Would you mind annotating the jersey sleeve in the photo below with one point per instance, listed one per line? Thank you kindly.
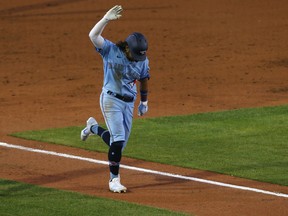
(105, 49)
(145, 72)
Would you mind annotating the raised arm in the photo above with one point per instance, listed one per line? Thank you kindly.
(95, 33)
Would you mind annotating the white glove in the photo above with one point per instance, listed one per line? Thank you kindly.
(114, 13)
(142, 108)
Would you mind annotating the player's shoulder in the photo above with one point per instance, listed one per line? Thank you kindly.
(143, 63)
(107, 47)
(108, 43)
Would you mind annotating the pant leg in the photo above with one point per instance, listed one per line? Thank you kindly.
(112, 110)
(127, 121)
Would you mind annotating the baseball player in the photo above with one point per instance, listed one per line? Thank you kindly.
(124, 63)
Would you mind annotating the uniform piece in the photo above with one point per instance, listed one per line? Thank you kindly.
(124, 64)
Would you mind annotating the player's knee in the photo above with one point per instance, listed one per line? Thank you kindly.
(118, 144)
(115, 151)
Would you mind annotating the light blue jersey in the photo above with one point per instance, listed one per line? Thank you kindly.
(120, 74)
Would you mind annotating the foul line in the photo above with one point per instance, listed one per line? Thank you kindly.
(145, 170)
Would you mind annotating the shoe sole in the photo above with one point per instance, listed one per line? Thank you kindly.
(83, 137)
(119, 191)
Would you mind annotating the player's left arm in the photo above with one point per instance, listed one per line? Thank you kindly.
(143, 106)
(144, 89)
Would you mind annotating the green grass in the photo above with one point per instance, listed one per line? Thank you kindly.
(248, 143)
(25, 199)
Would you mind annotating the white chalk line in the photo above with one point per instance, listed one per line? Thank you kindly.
(145, 170)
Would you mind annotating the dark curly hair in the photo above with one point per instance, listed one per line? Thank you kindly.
(122, 45)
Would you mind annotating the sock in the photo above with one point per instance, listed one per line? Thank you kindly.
(94, 129)
(114, 157)
(112, 176)
(103, 133)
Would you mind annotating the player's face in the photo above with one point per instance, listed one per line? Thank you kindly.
(128, 54)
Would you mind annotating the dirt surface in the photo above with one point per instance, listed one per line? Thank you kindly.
(204, 56)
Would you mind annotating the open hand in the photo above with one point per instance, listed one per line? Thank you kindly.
(114, 13)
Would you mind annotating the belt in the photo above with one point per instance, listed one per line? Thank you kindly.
(123, 98)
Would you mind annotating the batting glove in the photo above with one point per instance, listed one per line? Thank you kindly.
(114, 13)
(142, 108)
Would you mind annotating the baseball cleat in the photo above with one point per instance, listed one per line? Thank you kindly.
(116, 187)
(86, 132)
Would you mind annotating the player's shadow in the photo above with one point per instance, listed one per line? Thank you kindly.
(16, 189)
(44, 179)
(160, 181)
(11, 188)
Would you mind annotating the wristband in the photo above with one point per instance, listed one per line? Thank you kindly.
(143, 94)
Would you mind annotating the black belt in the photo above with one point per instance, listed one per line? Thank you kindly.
(123, 98)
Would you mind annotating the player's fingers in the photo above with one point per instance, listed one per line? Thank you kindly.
(119, 9)
(115, 7)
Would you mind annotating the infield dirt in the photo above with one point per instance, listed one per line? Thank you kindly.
(204, 56)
